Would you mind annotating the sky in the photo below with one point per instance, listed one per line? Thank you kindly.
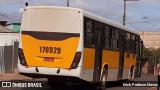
(142, 15)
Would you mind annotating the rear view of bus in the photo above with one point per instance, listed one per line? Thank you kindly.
(50, 41)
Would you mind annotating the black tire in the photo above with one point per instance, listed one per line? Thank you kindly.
(130, 74)
(103, 81)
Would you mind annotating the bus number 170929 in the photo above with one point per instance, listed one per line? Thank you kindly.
(45, 49)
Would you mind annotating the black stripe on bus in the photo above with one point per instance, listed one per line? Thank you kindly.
(50, 35)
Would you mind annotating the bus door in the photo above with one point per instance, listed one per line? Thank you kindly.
(98, 52)
(121, 56)
(139, 50)
(140, 59)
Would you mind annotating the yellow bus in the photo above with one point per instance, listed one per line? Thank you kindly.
(63, 43)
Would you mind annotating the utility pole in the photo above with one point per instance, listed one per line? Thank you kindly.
(67, 3)
(124, 13)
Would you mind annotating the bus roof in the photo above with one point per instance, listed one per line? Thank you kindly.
(109, 22)
(92, 16)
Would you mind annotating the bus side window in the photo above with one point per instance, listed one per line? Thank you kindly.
(133, 43)
(115, 38)
(88, 33)
(106, 36)
(110, 37)
(127, 42)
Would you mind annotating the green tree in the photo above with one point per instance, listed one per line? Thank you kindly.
(147, 53)
(151, 53)
(158, 55)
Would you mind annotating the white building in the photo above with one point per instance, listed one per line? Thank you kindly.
(8, 37)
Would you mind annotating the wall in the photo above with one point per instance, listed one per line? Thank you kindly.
(8, 52)
(9, 58)
(150, 39)
(8, 38)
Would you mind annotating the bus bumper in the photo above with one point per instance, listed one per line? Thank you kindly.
(50, 71)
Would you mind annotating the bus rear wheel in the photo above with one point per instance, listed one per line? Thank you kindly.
(103, 82)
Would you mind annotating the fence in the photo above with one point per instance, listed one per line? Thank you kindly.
(9, 58)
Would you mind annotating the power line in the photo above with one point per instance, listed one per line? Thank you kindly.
(144, 21)
(148, 11)
(140, 12)
(140, 9)
(15, 1)
(3, 15)
(154, 21)
(144, 14)
(38, 2)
